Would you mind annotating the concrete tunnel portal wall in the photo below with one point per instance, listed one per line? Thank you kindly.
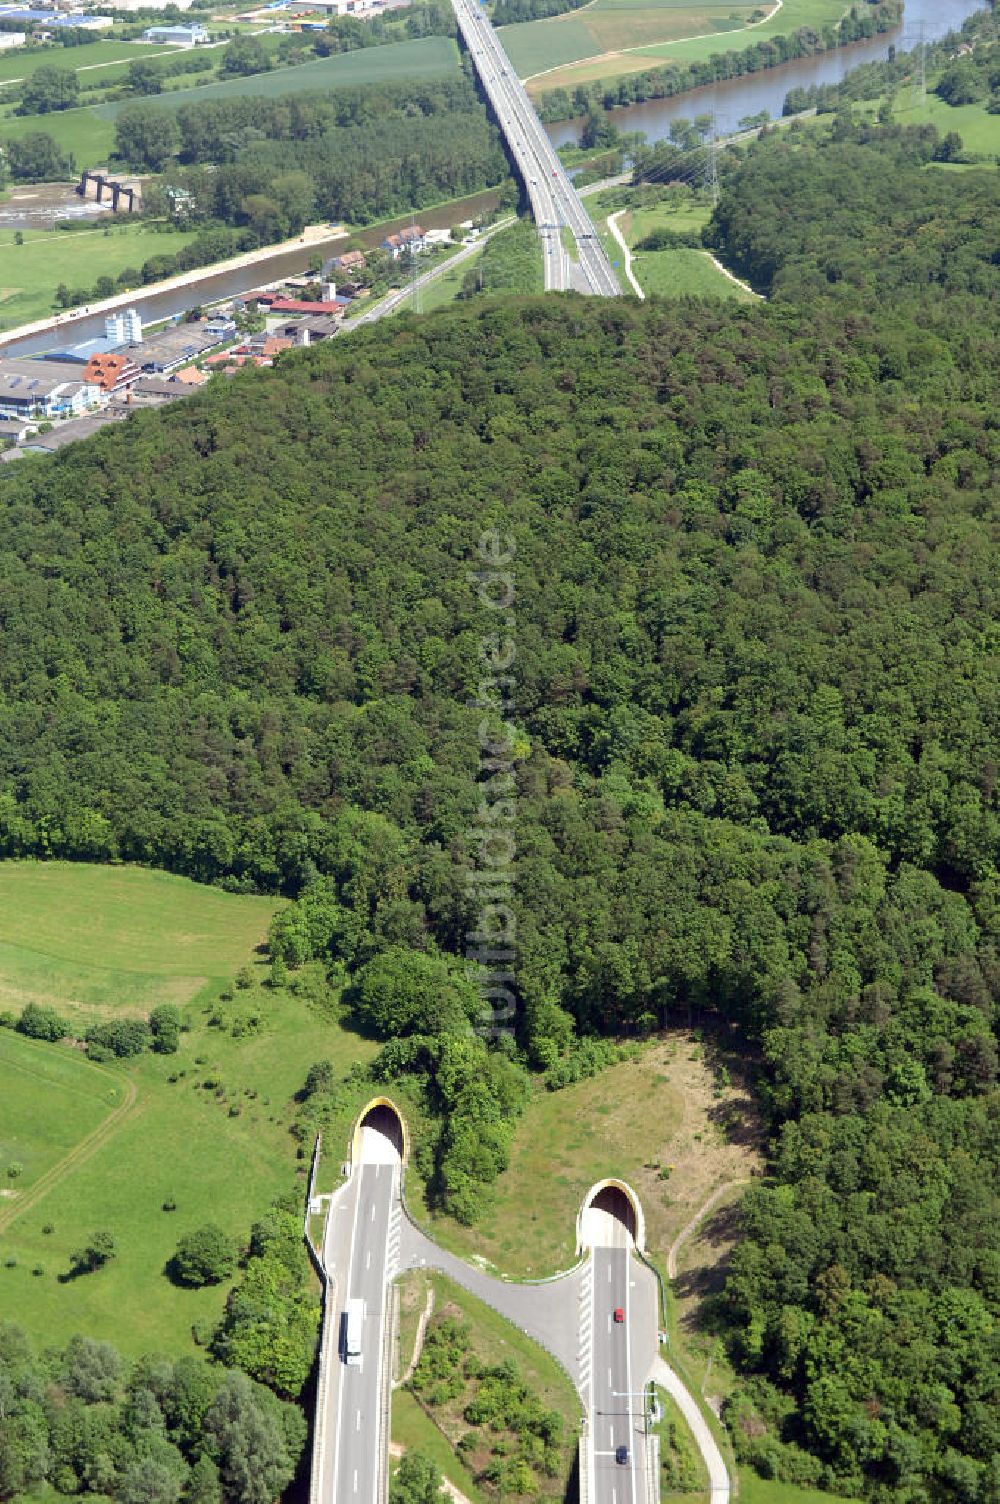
(382, 1114)
(616, 1199)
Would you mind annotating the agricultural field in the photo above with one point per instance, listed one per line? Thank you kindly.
(191, 1137)
(625, 37)
(396, 62)
(663, 1121)
(30, 273)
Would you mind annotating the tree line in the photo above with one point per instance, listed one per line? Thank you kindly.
(862, 21)
(83, 1419)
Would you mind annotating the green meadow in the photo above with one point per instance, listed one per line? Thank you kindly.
(78, 1096)
(21, 62)
(155, 1146)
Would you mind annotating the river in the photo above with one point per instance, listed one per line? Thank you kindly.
(214, 287)
(734, 99)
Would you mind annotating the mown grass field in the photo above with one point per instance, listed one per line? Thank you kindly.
(754, 1490)
(30, 273)
(80, 131)
(445, 289)
(627, 38)
(118, 938)
(21, 62)
(78, 1096)
(214, 1140)
(979, 130)
(684, 273)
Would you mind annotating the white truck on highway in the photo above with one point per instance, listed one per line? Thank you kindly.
(354, 1316)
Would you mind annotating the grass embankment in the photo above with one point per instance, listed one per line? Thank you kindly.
(213, 1140)
(754, 1490)
(30, 273)
(683, 1474)
(435, 1424)
(625, 38)
(675, 271)
(658, 1121)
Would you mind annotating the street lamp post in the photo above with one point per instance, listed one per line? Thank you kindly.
(636, 1394)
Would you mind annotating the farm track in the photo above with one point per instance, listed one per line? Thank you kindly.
(78, 1155)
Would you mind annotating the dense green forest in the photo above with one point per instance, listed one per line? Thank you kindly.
(754, 705)
(353, 154)
(85, 1420)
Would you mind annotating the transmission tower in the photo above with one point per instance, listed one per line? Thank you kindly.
(713, 165)
(922, 72)
(414, 279)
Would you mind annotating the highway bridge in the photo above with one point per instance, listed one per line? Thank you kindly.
(555, 203)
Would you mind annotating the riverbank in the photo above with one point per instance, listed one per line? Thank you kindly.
(737, 98)
(312, 236)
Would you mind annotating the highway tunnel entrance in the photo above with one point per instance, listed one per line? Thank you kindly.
(611, 1217)
(380, 1134)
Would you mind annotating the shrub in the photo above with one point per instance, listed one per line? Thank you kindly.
(204, 1257)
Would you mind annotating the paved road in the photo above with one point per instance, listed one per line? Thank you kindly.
(621, 1355)
(612, 1423)
(361, 1243)
(718, 1477)
(547, 1312)
(554, 201)
(411, 291)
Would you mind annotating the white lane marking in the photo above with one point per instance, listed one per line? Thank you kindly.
(611, 1382)
(368, 1259)
(342, 1377)
(628, 1371)
(373, 1212)
(355, 1480)
(357, 1422)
